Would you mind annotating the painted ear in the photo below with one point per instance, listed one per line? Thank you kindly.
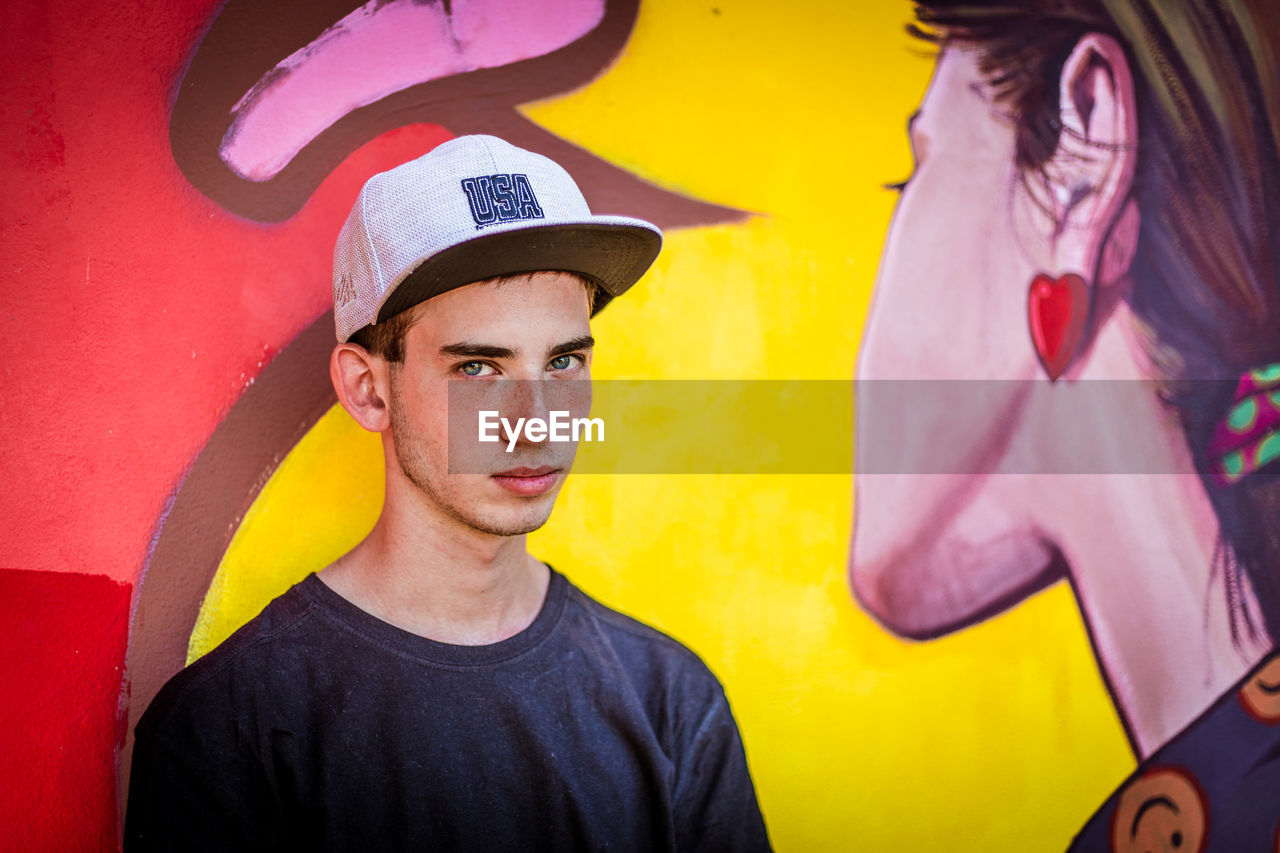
(1091, 171)
(361, 380)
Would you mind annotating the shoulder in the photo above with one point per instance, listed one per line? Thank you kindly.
(669, 676)
(243, 665)
(639, 638)
(714, 798)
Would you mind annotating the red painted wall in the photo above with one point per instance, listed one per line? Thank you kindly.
(133, 313)
(60, 723)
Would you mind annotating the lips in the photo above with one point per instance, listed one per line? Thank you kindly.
(528, 482)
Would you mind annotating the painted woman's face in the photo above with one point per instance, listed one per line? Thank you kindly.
(932, 550)
(976, 478)
(949, 300)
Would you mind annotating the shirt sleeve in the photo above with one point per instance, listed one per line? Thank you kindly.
(180, 799)
(716, 807)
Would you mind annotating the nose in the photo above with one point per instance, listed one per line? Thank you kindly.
(524, 398)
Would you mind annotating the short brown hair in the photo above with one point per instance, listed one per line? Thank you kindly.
(386, 339)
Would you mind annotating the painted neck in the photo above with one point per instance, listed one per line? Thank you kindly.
(1142, 561)
(1141, 549)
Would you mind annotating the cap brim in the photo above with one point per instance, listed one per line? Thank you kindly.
(613, 251)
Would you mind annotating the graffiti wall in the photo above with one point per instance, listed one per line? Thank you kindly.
(176, 175)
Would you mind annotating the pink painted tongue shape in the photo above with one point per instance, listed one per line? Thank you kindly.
(382, 48)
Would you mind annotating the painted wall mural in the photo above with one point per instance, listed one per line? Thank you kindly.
(1092, 205)
(175, 177)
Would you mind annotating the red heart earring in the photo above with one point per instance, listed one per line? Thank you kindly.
(1056, 312)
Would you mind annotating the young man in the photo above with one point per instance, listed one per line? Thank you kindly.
(437, 687)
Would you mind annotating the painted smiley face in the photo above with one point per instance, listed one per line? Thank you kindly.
(1260, 695)
(1161, 810)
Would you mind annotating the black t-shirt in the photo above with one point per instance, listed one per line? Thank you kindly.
(318, 726)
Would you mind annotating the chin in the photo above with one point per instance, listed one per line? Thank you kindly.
(879, 590)
(927, 590)
(501, 518)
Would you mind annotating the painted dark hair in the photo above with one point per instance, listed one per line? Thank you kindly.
(1205, 279)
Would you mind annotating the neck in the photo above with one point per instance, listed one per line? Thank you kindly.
(431, 574)
(1157, 611)
(1141, 550)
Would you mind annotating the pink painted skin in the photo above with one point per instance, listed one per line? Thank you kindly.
(934, 552)
(383, 48)
(528, 481)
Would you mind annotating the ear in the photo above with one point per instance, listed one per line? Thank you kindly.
(1091, 171)
(363, 383)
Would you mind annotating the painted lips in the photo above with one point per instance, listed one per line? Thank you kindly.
(527, 481)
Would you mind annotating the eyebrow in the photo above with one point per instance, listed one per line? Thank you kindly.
(911, 121)
(465, 349)
(470, 350)
(584, 342)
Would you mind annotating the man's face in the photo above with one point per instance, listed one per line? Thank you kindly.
(534, 329)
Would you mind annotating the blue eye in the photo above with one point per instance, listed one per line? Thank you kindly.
(472, 368)
(563, 362)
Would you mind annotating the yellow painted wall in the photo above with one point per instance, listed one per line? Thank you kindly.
(999, 738)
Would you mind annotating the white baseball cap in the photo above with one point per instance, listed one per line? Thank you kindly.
(473, 208)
